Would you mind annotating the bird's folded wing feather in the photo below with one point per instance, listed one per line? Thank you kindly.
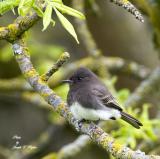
(106, 98)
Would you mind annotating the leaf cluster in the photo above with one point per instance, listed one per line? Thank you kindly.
(45, 10)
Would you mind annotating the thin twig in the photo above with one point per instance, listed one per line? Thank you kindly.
(62, 59)
(146, 88)
(130, 8)
(83, 31)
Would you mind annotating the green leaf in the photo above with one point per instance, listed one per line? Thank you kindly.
(122, 95)
(66, 24)
(68, 10)
(21, 4)
(38, 10)
(7, 5)
(58, 1)
(25, 6)
(47, 17)
(53, 22)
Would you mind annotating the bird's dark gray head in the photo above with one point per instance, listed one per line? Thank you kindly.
(81, 75)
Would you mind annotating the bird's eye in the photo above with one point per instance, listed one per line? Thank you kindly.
(79, 78)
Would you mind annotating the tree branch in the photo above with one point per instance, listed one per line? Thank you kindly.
(70, 150)
(63, 58)
(146, 88)
(96, 133)
(130, 8)
(83, 31)
(16, 29)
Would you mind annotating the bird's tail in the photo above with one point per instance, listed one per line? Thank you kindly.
(131, 120)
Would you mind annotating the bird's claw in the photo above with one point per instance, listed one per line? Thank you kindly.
(80, 124)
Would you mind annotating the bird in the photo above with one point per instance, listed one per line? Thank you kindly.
(89, 99)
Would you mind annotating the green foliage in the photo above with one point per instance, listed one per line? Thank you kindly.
(128, 134)
(122, 95)
(27, 6)
(65, 9)
(47, 17)
(59, 7)
(66, 24)
(8, 5)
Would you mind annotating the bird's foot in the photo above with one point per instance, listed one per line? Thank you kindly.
(80, 124)
(97, 122)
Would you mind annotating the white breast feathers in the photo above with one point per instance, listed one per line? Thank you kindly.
(80, 113)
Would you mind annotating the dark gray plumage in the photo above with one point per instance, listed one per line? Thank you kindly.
(89, 99)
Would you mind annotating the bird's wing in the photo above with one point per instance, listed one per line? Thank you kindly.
(106, 98)
(90, 101)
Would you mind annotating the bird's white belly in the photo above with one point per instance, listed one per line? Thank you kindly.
(80, 113)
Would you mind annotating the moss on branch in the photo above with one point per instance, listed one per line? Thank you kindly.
(16, 29)
(126, 4)
(63, 58)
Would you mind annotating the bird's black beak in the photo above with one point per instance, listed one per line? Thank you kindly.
(67, 81)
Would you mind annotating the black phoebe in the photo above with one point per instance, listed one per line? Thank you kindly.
(89, 99)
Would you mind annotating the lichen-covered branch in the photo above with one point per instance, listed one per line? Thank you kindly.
(146, 88)
(15, 30)
(96, 133)
(118, 65)
(130, 8)
(63, 58)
